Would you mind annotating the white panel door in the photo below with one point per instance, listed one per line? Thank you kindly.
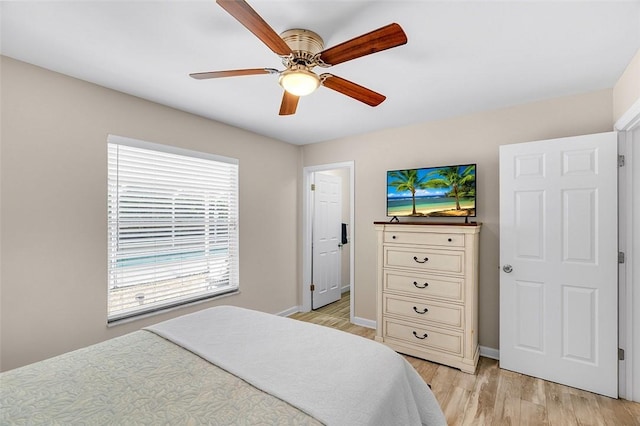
(558, 254)
(327, 232)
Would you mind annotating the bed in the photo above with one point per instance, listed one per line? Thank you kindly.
(223, 365)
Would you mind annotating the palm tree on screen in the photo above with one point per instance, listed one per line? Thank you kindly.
(461, 183)
(407, 180)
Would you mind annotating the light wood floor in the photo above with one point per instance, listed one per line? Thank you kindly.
(494, 396)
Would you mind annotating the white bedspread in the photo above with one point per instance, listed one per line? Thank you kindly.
(336, 377)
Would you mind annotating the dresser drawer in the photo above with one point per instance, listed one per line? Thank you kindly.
(423, 285)
(427, 337)
(424, 311)
(431, 238)
(424, 259)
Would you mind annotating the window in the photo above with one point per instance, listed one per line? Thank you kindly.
(173, 226)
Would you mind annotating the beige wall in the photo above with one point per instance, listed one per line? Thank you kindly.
(469, 139)
(626, 92)
(53, 208)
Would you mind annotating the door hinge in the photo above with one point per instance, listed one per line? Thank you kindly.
(620, 160)
(620, 354)
(313, 186)
(313, 287)
(620, 257)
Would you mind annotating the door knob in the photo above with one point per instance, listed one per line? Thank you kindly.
(507, 268)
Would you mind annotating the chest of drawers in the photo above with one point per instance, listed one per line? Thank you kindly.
(427, 291)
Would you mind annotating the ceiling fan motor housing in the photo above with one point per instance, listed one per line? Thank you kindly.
(305, 45)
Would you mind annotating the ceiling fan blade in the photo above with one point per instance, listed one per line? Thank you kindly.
(378, 40)
(289, 104)
(232, 73)
(248, 17)
(352, 90)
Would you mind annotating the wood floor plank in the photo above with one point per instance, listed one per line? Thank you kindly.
(532, 414)
(631, 407)
(465, 380)
(559, 406)
(441, 383)
(494, 396)
(454, 407)
(479, 409)
(586, 410)
(426, 369)
(614, 414)
(507, 406)
(533, 390)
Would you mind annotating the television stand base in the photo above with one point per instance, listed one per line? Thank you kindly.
(394, 219)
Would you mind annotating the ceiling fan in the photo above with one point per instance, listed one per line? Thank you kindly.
(301, 50)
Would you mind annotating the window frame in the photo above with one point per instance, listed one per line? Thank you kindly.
(212, 214)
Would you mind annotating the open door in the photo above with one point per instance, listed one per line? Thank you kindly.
(326, 239)
(559, 261)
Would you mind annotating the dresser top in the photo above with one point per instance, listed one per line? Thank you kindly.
(428, 223)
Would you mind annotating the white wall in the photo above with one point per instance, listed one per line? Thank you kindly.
(53, 213)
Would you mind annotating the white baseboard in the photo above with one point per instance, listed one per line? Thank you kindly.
(345, 289)
(289, 311)
(364, 322)
(489, 352)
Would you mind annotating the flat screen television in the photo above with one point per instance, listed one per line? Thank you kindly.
(448, 191)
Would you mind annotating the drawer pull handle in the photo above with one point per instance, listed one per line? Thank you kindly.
(415, 283)
(426, 259)
(393, 236)
(449, 239)
(424, 311)
(424, 336)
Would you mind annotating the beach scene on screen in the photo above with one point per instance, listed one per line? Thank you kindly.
(436, 191)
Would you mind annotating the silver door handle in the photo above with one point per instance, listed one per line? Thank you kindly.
(507, 268)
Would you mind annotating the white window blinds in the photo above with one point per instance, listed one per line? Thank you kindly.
(173, 226)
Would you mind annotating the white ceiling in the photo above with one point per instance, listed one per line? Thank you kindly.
(461, 57)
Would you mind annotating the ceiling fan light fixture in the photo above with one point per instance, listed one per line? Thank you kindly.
(299, 82)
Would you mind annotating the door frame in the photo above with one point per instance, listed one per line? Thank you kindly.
(307, 217)
(628, 126)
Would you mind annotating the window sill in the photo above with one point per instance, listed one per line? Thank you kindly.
(142, 315)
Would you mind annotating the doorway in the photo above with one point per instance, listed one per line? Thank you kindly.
(346, 170)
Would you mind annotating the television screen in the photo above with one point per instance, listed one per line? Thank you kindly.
(448, 191)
